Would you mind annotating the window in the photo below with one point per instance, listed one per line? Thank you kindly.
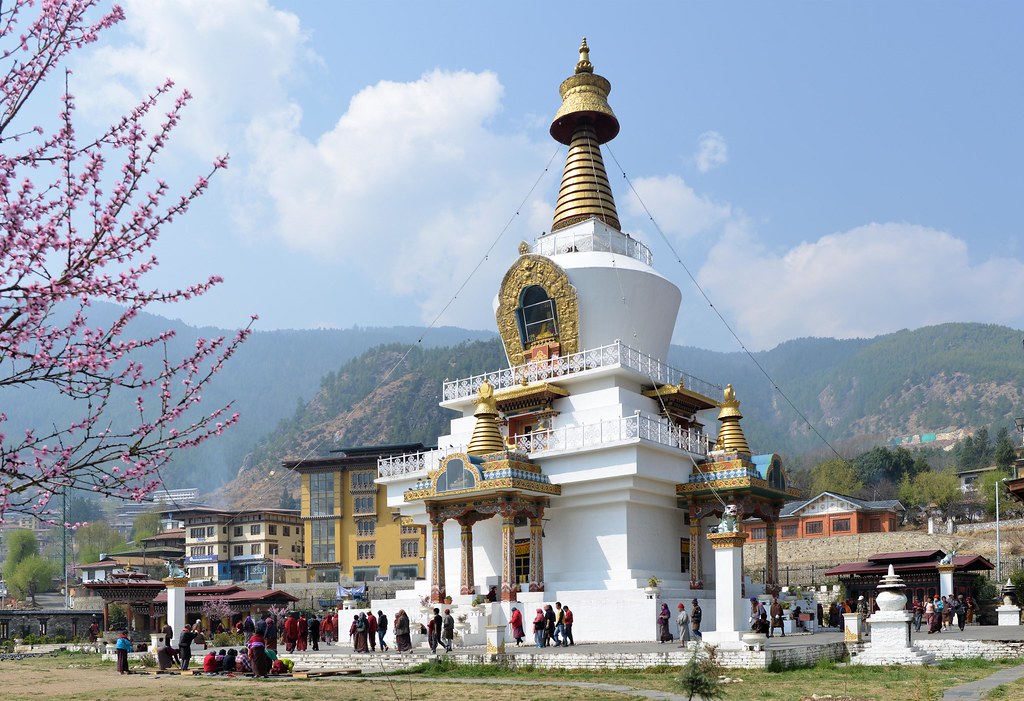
(196, 533)
(272, 530)
(404, 572)
(813, 527)
(684, 554)
(790, 531)
(256, 548)
(366, 527)
(322, 541)
(758, 533)
(410, 548)
(238, 531)
(238, 550)
(366, 550)
(328, 575)
(198, 550)
(456, 476)
(286, 531)
(365, 574)
(536, 315)
(411, 530)
(254, 529)
(210, 530)
(366, 505)
(321, 494)
(362, 481)
(841, 525)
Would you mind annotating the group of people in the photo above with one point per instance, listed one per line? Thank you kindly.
(940, 612)
(368, 630)
(688, 623)
(551, 626)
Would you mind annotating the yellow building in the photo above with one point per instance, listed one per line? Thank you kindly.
(252, 545)
(350, 533)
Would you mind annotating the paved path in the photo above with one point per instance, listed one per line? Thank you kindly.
(977, 690)
(614, 688)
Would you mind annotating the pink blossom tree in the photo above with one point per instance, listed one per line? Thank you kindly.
(215, 611)
(74, 230)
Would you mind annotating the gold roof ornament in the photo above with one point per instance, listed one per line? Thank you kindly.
(486, 437)
(584, 122)
(730, 435)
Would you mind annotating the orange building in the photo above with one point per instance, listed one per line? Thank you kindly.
(830, 514)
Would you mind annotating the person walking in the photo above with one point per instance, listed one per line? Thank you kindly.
(559, 625)
(918, 610)
(940, 608)
(403, 640)
(257, 646)
(434, 630)
(168, 633)
(122, 648)
(300, 644)
(327, 628)
(961, 612)
(516, 625)
(447, 630)
(664, 634)
(382, 628)
(568, 625)
(549, 624)
(271, 635)
(777, 618)
(539, 625)
(185, 645)
(934, 620)
(683, 622)
(291, 632)
(314, 631)
(695, 616)
(371, 632)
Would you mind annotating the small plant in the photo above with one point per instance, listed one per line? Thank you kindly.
(477, 600)
(462, 617)
(147, 660)
(702, 677)
(653, 582)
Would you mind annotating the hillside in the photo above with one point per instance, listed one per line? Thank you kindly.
(857, 392)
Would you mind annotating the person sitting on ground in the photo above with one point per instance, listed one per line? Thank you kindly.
(230, 661)
(242, 663)
(220, 659)
(210, 662)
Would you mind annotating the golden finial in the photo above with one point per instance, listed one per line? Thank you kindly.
(584, 122)
(524, 248)
(730, 435)
(584, 66)
(486, 437)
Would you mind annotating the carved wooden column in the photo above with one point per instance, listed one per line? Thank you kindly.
(771, 552)
(437, 586)
(537, 553)
(508, 553)
(696, 561)
(466, 575)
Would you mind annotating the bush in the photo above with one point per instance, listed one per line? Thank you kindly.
(222, 640)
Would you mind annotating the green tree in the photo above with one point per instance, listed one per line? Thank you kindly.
(32, 575)
(881, 463)
(986, 492)
(145, 525)
(836, 475)
(21, 545)
(97, 538)
(1004, 453)
(940, 488)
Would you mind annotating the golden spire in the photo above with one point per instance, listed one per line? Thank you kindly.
(583, 123)
(486, 435)
(730, 435)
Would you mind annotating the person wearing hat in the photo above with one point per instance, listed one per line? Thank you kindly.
(683, 621)
(695, 616)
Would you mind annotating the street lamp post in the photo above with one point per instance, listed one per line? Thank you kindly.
(999, 572)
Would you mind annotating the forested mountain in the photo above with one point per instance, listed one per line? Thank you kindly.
(304, 393)
(857, 393)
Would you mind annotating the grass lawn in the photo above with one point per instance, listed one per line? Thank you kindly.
(84, 676)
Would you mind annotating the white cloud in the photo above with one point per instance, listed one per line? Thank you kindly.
(678, 209)
(870, 280)
(712, 151)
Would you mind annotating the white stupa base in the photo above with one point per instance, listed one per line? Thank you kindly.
(890, 642)
(1008, 615)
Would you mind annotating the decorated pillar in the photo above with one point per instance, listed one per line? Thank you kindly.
(730, 606)
(537, 553)
(176, 606)
(466, 574)
(106, 615)
(437, 581)
(946, 579)
(508, 553)
(771, 552)
(696, 561)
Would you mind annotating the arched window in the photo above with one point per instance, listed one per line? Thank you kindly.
(455, 476)
(536, 315)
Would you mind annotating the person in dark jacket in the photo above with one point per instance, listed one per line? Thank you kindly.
(382, 628)
(549, 624)
(314, 631)
(122, 648)
(185, 645)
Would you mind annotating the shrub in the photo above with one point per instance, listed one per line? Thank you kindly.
(700, 677)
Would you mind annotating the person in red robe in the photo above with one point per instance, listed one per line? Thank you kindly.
(303, 633)
(371, 631)
(516, 624)
(327, 629)
(291, 632)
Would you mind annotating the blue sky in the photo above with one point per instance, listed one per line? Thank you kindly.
(824, 169)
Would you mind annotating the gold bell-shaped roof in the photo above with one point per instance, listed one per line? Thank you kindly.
(486, 437)
(583, 123)
(730, 435)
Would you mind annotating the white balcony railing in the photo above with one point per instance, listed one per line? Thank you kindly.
(605, 356)
(650, 428)
(411, 463)
(606, 241)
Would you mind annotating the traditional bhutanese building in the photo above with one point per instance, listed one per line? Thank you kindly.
(581, 470)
